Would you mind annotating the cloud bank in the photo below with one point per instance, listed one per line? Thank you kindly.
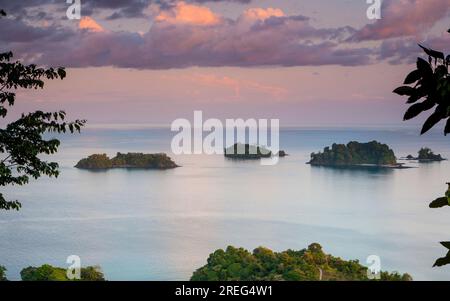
(402, 18)
(186, 33)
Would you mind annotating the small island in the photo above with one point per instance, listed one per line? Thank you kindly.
(311, 264)
(250, 152)
(246, 152)
(425, 154)
(354, 154)
(282, 154)
(129, 160)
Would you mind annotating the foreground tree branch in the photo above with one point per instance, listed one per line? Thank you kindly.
(22, 141)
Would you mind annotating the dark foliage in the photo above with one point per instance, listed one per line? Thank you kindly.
(439, 203)
(428, 87)
(21, 141)
(446, 259)
(431, 89)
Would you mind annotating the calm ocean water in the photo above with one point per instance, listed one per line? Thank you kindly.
(161, 225)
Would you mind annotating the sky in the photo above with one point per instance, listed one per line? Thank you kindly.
(309, 63)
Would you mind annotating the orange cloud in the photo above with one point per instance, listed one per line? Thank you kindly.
(262, 13)
(190, 14)
(89, 24)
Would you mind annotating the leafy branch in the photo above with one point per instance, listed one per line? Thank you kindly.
(431, 89)
(428, 87)
(22, 141)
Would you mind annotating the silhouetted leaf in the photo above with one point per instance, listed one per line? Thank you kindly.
(424, 68)
(433, 53)
(442, 261)
(412, 77)
(418, 108)
(413, 111)
(61, 73)
(404, 90)
(441, 71)
(418, 94)
(447, 127)
(439, 203)
(431, 121)
(431, 82)
(446, 244)
(428, 104)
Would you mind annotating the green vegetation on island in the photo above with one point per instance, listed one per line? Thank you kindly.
(130, 160)
(246, 152)
(47, 272)
(425, 154)
(311, 264)
(3, 273)
(356, 154)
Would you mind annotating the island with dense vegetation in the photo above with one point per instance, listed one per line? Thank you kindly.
(356, 154)
(47, 272)
(246, 152)
(425, 154)
(130, 160)
(311, 264)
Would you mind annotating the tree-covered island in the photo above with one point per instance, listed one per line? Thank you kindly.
(246, 152)
(425, 154)
(311, 264)
(129, 160)
(356, 154)
(47, 272)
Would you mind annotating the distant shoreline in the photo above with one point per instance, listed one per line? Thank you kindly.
(393, 127)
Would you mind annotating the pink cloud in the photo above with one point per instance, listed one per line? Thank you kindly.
(406, 50)
(262, 13)
(402, 18)
(186, 35)
(188, 14)
(191, 35)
